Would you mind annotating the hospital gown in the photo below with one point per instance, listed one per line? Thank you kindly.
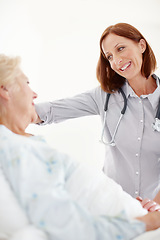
(38, 175)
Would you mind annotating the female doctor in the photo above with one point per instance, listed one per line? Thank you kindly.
(125, 70)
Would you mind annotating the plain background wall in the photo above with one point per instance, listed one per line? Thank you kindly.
(58, 41)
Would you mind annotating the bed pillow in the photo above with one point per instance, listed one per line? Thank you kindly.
(101, 195)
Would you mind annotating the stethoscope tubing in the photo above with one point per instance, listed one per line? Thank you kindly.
(155, 126)
(112, 142)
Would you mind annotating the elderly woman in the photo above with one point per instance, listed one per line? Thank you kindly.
(45, 181)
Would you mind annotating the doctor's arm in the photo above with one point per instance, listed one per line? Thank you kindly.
(81, 105)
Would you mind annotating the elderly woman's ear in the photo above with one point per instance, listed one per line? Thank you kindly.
(4, 92)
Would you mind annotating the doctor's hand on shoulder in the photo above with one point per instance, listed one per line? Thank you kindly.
(37, 120)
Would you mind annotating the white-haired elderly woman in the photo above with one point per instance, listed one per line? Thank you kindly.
(60, 197)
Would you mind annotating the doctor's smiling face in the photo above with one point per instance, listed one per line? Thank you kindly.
(124, 55)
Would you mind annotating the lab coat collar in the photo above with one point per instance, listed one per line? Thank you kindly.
(153, 97)
(128, 90)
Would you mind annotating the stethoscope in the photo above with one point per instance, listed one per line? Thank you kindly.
(155, 125)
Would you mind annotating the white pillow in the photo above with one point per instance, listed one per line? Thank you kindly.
(14, 224)
(100, 194)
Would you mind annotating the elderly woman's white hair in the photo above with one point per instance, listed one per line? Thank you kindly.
(9, 68)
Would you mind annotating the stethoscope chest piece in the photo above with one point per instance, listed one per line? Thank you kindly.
(156, 125)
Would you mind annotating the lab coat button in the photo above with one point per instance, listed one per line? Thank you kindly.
(136, 154)
(137, 173)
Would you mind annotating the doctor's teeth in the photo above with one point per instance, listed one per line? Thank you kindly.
(123, 68)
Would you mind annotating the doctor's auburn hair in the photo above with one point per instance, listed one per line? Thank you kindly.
(111, 81)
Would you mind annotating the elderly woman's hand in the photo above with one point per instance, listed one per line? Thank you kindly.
(148, 204)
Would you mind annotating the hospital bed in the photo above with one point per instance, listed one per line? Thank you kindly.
(14, 224)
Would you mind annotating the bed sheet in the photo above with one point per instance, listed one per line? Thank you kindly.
(152, 235)
(84, 192)
(21, 229)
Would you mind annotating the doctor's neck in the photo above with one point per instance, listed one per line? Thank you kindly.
(142, 85)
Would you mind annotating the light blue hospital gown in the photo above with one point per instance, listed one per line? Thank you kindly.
(37, 174)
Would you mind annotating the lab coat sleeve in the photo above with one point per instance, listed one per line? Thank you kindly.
(84, 104)
(40, 188)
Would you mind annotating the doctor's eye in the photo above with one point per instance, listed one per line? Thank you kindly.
(109, 57)
(120, 49)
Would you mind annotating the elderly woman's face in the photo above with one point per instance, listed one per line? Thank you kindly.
(124, 55)
(22, 98)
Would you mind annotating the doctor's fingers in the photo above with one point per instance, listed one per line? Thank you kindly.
(139, 199)
(150, 205)
(154, 208)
